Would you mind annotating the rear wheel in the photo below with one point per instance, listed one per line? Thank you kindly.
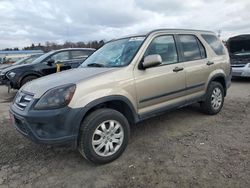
(27, 79)
(214, 99)
(104, 135)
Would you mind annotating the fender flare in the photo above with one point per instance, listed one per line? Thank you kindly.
(217, 76)
(28, 74)
(82, 112)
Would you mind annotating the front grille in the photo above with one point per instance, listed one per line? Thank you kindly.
(22, 100)
(238, 65)
(2, 77)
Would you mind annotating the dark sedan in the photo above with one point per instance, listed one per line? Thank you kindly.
(49, 63)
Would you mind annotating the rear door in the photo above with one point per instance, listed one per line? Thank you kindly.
(164, 85)
(196, 65)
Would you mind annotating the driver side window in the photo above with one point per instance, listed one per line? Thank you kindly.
(61, 56)
(165, 47)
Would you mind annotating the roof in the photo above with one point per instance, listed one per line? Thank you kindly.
(89, 49)
(145, 34)
(21, 51)
(178, 30)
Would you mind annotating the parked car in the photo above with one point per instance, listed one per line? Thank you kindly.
(6, 67)
(11, 56)
(126, 81)
(25, 60)
(239, 51)
(46, 64)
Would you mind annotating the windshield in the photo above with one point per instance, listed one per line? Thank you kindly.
(26, 60)
(117, 53)
(19, 61)
(41, 58)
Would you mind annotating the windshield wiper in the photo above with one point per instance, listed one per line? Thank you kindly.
(95, 65)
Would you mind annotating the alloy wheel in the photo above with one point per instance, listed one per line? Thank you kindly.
(107, 138)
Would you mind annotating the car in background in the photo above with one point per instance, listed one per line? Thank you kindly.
(46, 64)
(22, 61)
(11, 56)
(26, 60)
(239, 51)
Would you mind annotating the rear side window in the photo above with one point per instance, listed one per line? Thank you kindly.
(215, 44)
(80, 54)
(192, 48)
(165, 47)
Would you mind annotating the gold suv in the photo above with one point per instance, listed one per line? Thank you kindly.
(126, 81)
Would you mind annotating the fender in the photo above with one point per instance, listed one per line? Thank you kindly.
(35, 73)
(217, 75)
(82, 112)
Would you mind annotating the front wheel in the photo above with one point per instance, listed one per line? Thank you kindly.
(104, 135)
(28, 79)
(214, 99)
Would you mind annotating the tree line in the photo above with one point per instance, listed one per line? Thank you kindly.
(48, 46)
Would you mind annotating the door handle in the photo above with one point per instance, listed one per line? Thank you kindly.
(177, 69)
(210, 63)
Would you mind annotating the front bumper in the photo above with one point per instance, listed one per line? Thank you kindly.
(13, 83)
(3, 80)
(47, 126)
(241, 70)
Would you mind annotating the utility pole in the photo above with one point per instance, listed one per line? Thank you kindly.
(219, 33)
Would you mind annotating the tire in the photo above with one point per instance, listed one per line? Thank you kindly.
(215, 93)
(89, 140)
(27, 79)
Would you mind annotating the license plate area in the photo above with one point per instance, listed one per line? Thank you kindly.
(18, 123)
(12, 118)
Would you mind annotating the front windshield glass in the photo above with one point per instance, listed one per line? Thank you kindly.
(117, 53)
(19, 61)
(26, 60)
(41, 58)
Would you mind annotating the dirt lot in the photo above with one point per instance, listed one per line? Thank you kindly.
(184, 148)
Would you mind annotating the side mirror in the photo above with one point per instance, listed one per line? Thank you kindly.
(50, 62)
(151, 61)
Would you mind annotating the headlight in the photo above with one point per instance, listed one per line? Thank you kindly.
(56, 98)
(11, 74)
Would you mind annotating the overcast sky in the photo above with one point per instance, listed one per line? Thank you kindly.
(32, 21)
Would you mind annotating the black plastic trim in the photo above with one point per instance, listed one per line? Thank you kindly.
(172, 107)
(96, 102)
(171, 93)
(226, 80)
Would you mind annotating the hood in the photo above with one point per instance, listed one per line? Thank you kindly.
(239, 47)
(12, 67)
(4, 66)
(73, 76)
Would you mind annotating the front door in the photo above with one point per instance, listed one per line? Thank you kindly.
(61, 58)
(164, 85)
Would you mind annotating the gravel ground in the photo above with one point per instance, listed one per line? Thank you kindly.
(184, 148)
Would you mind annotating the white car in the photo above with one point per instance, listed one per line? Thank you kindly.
(239, 50)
